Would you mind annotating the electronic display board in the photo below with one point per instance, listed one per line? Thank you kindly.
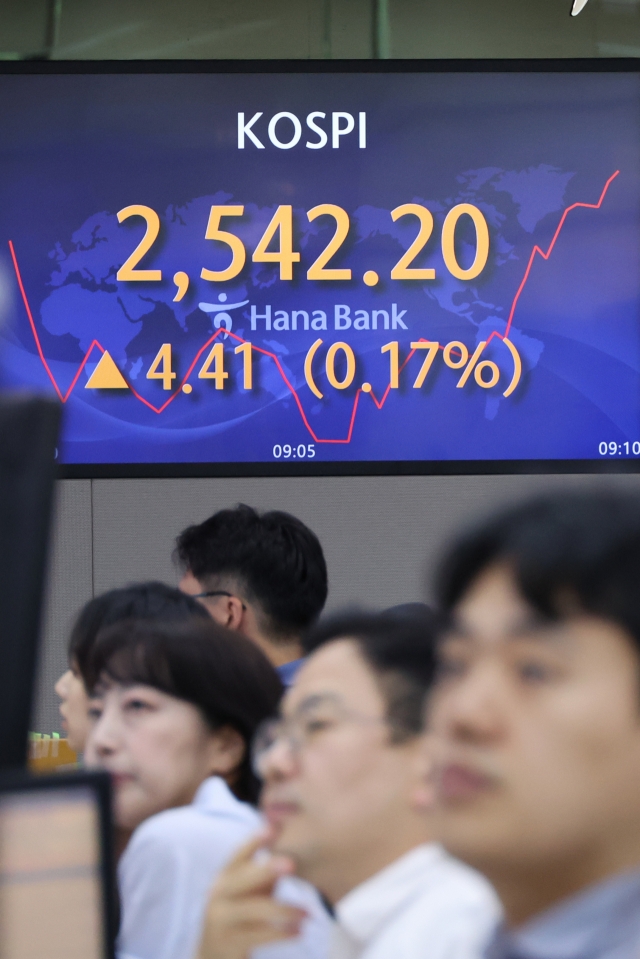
(323, 268)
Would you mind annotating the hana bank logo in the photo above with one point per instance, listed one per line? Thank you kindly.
(221, 311)
(578, 7)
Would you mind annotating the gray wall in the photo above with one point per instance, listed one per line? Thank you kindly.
(381, 535)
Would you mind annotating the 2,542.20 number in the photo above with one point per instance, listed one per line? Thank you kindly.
(281, 230)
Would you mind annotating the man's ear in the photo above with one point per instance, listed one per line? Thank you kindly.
(228, 611)
(227, 750)
(235, 612)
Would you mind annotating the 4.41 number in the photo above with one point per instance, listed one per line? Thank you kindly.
(212, 368)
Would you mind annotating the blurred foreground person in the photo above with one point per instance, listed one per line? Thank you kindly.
(345, 795)
(537, 722)
(140, 601)
(263, 575)
(175, 707)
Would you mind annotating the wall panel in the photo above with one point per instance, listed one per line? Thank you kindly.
(381, 535)
(70, 584)
(493, 28)
(200, 29)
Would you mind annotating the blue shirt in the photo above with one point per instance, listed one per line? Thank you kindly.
(289, 671)
(602, 922)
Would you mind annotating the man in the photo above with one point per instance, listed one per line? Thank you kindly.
(261, 574)
(344, 785)
(536, 720)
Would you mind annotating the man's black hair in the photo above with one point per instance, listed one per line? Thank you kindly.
(223, 674)
(409, 611)
(401, 653)
(274, 558)
(138, 601)
(566, 550)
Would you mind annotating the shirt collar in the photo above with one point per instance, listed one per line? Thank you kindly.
(588, 924)
(289, 671)
(364, 910)
(214, 798)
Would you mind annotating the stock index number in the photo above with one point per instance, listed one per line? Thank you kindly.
(279, 236)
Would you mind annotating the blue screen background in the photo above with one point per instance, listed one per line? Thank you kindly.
(523, 148)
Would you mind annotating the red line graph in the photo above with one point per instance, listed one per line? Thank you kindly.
(545, 256)
(537, 251)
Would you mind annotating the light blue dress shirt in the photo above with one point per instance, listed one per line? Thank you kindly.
(602, 922)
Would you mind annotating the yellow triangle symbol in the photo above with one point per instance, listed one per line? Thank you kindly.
(106, 376)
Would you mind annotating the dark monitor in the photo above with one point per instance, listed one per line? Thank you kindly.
(28, 437)
(308, 267)
(56, 882)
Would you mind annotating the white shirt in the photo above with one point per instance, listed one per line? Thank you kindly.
(425, 905)
(169, 866)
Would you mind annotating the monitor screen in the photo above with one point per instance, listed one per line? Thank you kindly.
(51, 874)
(325, 270)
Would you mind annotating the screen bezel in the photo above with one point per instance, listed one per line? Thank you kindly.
(355, 468)
(99, 783)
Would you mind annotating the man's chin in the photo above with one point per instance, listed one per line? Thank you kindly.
(283, 837)
(287, 839)
(481, 842)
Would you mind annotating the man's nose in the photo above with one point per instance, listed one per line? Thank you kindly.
(472, 709)
(280, 761)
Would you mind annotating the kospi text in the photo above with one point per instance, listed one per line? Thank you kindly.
(284, 130)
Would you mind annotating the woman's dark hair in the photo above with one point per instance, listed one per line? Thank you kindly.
(138, 601)
(220, 672)
(578, 546)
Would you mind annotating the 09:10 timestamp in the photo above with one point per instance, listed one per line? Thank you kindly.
(619, 449)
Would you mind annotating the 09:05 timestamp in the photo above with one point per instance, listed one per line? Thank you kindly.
(288, 452)
(619, 449)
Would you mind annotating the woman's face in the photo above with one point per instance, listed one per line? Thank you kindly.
(158, 749)
(74, 708)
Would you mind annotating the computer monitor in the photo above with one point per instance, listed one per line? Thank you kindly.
(28, 436)
(56, 880)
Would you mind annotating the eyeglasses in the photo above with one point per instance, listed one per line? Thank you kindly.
(215, 592)
(318, 715)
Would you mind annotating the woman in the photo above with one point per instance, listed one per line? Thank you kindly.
(141, 601)
(175, 707)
